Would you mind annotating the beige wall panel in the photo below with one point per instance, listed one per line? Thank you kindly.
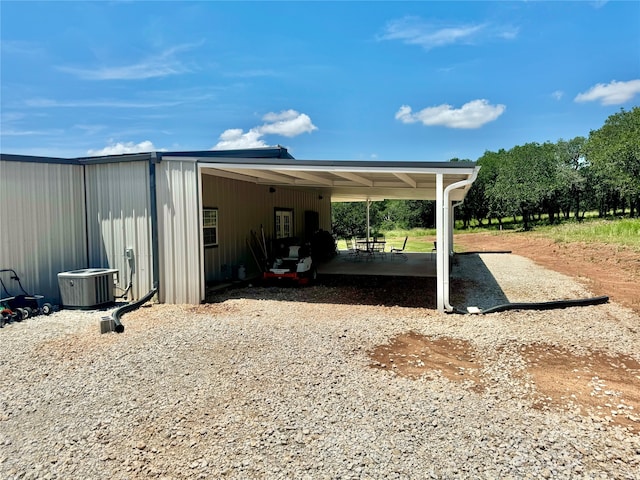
(118, 206)
(244, 206)
(179, 231)
(42, 224)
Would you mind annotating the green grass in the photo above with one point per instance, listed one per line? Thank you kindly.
(617, 232)
(623, 232)
(419, 239)
(511, 223)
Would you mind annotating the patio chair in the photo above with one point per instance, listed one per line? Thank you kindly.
(352, 250)
(399, 250)
(378, 248)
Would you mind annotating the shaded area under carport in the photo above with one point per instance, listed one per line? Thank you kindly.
(410, 264)
(408, 282)
(411, 282)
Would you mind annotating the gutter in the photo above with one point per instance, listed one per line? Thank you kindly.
(446, 246)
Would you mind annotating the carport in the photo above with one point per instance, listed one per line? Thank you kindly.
(362, 181)
(144, 214)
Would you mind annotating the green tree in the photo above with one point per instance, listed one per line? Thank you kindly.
(484, 198)
(571, 179)
(525, 181)
(613, 151)
(349, 219)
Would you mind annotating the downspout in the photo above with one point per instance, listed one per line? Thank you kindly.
(86, 217)
(155, 250)
(446, 247)
(155, 158)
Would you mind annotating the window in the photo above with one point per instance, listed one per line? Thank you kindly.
(210, 226)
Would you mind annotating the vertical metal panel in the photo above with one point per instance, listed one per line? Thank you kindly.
(244, 206)
(179, 231)
(42, 223)
(118, 207)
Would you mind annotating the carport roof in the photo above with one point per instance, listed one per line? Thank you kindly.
(343, 180)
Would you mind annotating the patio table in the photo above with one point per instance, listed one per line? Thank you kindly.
(370, 246)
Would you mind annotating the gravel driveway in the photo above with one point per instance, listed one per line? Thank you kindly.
(278, 383)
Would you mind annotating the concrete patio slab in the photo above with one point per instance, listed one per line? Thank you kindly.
(409, 264)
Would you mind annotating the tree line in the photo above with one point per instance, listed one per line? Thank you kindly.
(560, 180)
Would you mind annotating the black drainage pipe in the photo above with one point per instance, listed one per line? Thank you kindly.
(580, 302)
(130, 307)
(478, 252)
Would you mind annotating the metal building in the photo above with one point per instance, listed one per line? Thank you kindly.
(177, 220)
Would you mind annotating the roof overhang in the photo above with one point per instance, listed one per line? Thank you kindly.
(345, 181)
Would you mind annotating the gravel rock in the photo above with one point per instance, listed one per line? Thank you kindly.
(277, 383)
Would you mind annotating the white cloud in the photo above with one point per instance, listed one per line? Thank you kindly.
(613, 93)
(413, 31)
(25, 133)
(22, 48)
(160, 65)
(558, 94)
(288, 123)
(48, 103)
(120, 148)
(473, 114)
(235, 138)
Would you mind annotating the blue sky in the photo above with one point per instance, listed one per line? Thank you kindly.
(328, 80)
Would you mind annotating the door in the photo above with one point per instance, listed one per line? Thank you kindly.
(284, 223)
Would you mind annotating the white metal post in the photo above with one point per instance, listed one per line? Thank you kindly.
(441, 254)
(452, 224)
(368, 225)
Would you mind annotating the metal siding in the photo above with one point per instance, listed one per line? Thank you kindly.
(42, 219)
(244, 206)
(179, 232)
(118, 206)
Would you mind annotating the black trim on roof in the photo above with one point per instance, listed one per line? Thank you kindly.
(8, 157)
(336, 163)
(266, 152)
(272, 156)
(126, 157)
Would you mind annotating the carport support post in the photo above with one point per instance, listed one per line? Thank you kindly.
(452, 224)
(368, 223)
(440, 251)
